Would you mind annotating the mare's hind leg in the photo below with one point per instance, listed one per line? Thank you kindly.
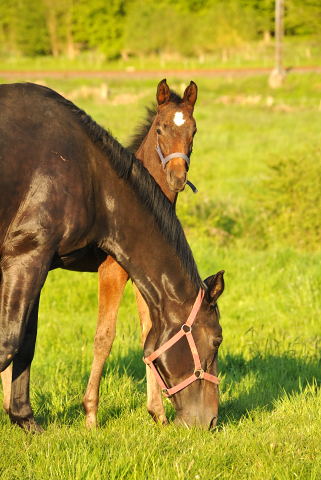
(6, 377)
(154, 395)
(21, 281)
(112, 281)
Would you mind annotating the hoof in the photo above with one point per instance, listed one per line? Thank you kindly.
(30, 425)
(161, 420)
(6, 407)
(163, 423)
(91, 423)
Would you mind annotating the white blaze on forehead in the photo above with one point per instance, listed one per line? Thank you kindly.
(178, 119)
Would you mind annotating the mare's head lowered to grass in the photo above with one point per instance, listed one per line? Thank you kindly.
(186, 368)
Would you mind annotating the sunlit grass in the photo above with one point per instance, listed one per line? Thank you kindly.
(269, 362)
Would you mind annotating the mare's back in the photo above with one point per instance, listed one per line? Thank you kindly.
(43, 151)
(29, 114)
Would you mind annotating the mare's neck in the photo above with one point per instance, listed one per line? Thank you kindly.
(149, 157)
(128, 231)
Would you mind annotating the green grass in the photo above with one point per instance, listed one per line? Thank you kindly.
(269, 362)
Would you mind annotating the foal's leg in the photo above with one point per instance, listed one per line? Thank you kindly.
(112, 281)
(154, 394)
(6, 377)
(22, 279)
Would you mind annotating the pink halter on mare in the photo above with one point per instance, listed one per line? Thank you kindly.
(199, 373)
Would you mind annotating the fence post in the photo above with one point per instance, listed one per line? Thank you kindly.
(278, 74)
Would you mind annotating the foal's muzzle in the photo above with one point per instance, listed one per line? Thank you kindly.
(176, 180)
(175, 155)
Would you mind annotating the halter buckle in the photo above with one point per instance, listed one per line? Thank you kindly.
(186, 325)
(200, 372)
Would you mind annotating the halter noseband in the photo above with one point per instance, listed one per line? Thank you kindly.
(199, 373)
(175, 155)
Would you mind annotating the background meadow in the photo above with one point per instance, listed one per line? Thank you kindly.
(256, 163)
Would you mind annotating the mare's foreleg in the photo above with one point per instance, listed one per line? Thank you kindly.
(20, 411)
(22, 279)
(154, 395)
(112, 281)
(6, 377)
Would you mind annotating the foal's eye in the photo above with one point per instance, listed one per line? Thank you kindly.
(158, 130)
(194, 132)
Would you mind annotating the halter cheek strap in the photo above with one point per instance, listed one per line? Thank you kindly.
(199, 373)
(175, 155)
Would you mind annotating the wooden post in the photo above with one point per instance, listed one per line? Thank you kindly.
(278, 74)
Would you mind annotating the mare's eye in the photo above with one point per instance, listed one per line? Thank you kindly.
(194, 132)
(217, 342)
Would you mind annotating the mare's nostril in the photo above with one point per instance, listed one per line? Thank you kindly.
(213, 422)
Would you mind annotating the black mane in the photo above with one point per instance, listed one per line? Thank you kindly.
(130, 169)
(142, 129)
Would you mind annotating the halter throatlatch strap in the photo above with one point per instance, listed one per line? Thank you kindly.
(175, 155)
(199, 373)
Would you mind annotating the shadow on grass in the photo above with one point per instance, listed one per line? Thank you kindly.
(121, 392)
(130, 364)
(247, 385)
(257, 383)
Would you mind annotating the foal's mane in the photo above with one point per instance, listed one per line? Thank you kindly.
(131, 170)
(142, 128)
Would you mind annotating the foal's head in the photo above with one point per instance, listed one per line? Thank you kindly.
(175, 128)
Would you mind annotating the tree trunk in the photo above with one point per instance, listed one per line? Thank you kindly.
(70, 40)
(52, 28)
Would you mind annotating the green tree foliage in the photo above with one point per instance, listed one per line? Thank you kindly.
(30, 40)
(303, 18)
(186, 27)
(262, 13)
(100, 24)
(120, 27)
(8, 25)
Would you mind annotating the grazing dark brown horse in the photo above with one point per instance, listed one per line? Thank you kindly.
(67, 188)
(159, 128)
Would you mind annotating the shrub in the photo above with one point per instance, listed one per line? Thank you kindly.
(223, 221)
(290, 200)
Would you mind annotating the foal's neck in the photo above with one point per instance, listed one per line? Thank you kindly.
(149, 157)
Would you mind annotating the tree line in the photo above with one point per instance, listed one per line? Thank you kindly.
(115, 28)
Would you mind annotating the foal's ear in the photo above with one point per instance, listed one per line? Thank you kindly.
(215, 285)
(190, 94)
(163, 92)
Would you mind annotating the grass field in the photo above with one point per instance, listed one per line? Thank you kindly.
(269, 362)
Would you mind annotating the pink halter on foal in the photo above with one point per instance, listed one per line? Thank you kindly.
(199, 373)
